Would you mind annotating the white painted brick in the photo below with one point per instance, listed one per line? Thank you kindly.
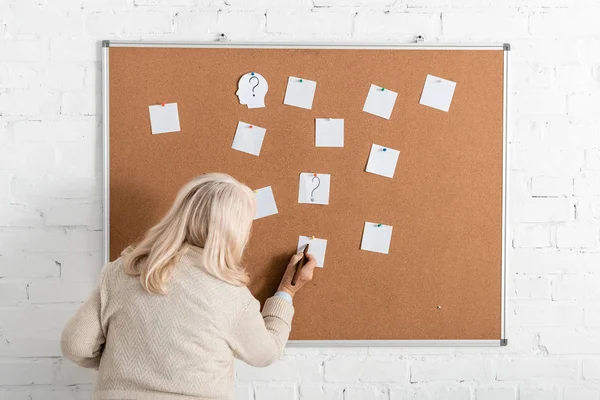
(74, 393)
(570, 132)
(59, 291)
(571, 341)
(310, 23)
(20, 216)
(363, 393)
(592, 159)
(12, 292)
(34, 321)
(547, 261)
(16, 241)
(264, 4)
(530, 287)
(544, 210)
(434, 393)
(578, 236)
(23, 50)
(583, 104)
(590, 369)
(484, 26)
(80, 266)
(541, 103)
(539, 393)
(320, 393)
(536, 236)
(14, 394)
(269, 392)
(67, 374)
(29, 19)
(588, 49)
(288, 369)
(575, 78)
(74, 214)
(76, 129)
(547, 186)
(568, 288)
(29, 103)
(240, 23)
(581, 393)
(18, 75)
(81, 159)
(545, 161)
(80, 103)
(592, 286)
(352, 3)
(453, 369)
(524, 369)
(28, 266)
(552, 23)
(30, 346)
(587, 185)
(496, 393)
(25, 372)
(341, 369)
(243, 391)
(130, 22)
(44, 186)
(168, 2)
(395, 25)
(69, 49)
(64, 76)
(592, 316)
(548, 314)
(195, 22)
(544, 51)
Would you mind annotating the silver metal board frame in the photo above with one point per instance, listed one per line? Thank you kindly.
(346, 46)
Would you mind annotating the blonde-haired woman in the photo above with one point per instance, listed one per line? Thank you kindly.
(169, 316)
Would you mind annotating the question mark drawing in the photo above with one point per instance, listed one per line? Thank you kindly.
(254, 87)
(312, 194)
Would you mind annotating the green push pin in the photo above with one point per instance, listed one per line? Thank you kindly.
(382, 89)
(378, 225)
(301, 81)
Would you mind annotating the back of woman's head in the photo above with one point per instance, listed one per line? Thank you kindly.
(213, 212)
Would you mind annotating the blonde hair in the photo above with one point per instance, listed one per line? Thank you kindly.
(213, 212)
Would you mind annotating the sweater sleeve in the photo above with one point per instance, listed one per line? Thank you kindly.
(259, 338)
(83, 339)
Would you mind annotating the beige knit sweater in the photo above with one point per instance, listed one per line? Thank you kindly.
(177, 346)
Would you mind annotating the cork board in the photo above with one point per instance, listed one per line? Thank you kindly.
(444, 202)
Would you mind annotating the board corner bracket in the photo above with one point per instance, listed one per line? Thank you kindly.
(503, 342)
(506, 46)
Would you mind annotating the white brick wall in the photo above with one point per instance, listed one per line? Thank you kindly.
(50, 188)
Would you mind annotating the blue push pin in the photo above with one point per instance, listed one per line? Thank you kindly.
(384, 149)
(252, 73)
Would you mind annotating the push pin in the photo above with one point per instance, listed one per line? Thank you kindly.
(382, 89)
(439, 307)
(312, 238)
(163, 104)
(252, 73)
(250, 126)
(315, 175)
(256, 191)
(378, 225)
(300, 80)
(384, 149)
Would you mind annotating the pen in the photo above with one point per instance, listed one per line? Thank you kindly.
(300, 265)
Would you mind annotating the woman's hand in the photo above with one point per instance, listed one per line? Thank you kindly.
(306, 274)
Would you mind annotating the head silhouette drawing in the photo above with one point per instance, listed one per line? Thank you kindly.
(252, 89)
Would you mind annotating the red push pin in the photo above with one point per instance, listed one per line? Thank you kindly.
(250, 126)
(163, 104)
(314, 175)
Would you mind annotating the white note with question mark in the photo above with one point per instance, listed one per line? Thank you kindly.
(314, 188)
(252, 89)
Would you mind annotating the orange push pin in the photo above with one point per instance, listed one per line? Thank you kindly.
(163, 104)
(315, 175)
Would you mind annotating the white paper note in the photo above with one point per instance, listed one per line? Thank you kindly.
(317, 248)
(164, 119)
(314, 188)
(265, 202)
(382, 161)
(376, 237)
(300, 92)
(380, 102)
(248, 138)
(437, 93)
(329, 132)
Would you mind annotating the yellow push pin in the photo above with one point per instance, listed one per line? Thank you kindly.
(312, 238)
